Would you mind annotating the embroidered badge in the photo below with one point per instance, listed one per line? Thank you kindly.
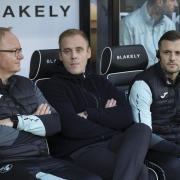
(164, 95)
(6, 168)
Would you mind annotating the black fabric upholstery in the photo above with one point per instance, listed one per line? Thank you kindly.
(123, 58)
(122, 80)
(122, 63)
(44, 63)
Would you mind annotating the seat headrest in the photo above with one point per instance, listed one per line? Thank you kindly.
(44, 63)
(123, 58)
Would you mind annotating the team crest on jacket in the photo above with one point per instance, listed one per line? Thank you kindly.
(164, 95)
(6, 168)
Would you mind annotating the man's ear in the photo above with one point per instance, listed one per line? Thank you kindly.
(89, 52)
(60, 56)
(158, 54)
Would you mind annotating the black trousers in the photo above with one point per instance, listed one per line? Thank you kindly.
(28, 169)
(166, 154)
(168, 162)
(120, 158)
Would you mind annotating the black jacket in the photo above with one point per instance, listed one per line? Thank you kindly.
(165, 107)
(20, 97)
(72, 94)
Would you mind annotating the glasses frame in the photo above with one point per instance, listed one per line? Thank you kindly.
(16, 51)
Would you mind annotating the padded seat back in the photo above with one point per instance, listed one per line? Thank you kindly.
(122, 63)
(44, 64)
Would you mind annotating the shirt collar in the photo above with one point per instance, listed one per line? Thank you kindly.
(149, 20)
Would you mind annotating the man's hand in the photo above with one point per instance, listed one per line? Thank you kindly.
(6, 122)
(111, 103)
(83, 114)
(42, 110)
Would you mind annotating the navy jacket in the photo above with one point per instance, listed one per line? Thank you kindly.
(21, 97)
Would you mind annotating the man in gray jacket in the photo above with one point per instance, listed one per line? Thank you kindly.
(147, 24)
(25, 120)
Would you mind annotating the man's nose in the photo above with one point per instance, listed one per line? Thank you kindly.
(74, 54)
(172, 57)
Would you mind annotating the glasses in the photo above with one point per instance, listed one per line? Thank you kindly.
(16, 51)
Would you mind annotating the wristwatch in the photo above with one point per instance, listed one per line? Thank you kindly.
(15, 121)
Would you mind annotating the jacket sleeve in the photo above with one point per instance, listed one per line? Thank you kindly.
(118, 117)
(73, 125)
(41, 125)
(140, 99)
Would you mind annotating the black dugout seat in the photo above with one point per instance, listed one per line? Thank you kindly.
(44, 64)
(121, 64)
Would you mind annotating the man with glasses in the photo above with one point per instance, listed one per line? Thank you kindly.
(147, 24)
(26, 119)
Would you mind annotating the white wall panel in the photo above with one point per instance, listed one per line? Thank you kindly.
(38, 23)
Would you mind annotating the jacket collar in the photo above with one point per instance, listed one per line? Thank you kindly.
(10, 83)
(148, 19)
(63, 73)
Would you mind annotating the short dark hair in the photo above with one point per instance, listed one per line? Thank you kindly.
(170, 36)
(72, 32)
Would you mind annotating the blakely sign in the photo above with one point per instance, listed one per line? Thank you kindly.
(35, 11)
(128, 56)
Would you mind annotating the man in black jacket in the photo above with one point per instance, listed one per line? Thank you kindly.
(155, 100)
(25, 121)
(97, 125)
